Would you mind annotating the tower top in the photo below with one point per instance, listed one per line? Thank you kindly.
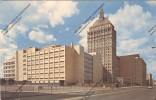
(101, 14)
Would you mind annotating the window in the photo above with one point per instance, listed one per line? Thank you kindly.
(24, 56)
(24, 73)
(61, 66)
(24, 51)
(24, 69)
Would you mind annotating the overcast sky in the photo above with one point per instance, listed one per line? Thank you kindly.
(54, 22)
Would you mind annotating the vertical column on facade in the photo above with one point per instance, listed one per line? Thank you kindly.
(59, 60)
(39, 66)
(48, 66)
(53, 65)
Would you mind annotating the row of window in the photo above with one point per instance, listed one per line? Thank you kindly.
(9, 67)
(9, 63)
(46, 73)
(56, 59)
(106, 30)
(30, 77)
(42, 58)
(46, 64)
(44, 53)
(95, 40)
(9, 75)
(9, 71)
(46, 78)
(44, 68)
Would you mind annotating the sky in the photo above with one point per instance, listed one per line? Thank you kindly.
(45, 23)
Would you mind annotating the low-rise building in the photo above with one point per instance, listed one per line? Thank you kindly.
(149, 80)
(57, 64)
(133, 69)
(9, 71)
(154, 82)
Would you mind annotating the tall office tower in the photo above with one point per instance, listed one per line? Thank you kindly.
(101, 38)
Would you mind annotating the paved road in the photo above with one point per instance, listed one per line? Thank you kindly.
(137, 93)
(129, 94)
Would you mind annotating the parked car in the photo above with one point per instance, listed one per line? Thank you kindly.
(150, 87)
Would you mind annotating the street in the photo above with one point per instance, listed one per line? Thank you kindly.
(132, 93)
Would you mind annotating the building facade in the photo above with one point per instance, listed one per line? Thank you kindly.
(133, 69)
(154, 83)
(9, 69)
(149, 80)
(97, 68)
(101, 38)
(55, 64)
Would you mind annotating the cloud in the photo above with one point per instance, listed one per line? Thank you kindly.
(83, 34)
(152, 3)
(7, 50)
(131, 46)
(53, 12)
(39, 14)
(126, 20)
(21, 29)
(67, 29)
(130, 29)
(127, 25)
(132, 24)
(40, 37)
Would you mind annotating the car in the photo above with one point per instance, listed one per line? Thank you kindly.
(150, 87)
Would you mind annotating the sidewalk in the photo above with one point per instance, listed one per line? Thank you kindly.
(57, 90)
(72, 90)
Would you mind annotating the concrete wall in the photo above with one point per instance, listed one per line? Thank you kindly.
(97, 68)
(133, 69)
(79, 64)
(9, 69)
(88, 68)
(149, 79)
(69, 65)
(19, 65)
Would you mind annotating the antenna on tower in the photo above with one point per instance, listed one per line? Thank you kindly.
(87, 21)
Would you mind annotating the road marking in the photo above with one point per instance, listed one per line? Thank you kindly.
(99, 94)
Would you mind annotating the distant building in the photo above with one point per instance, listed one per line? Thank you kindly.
(154, 82)
(101, 38)
(9, 71)
(149, 80)
(55, 64)
(133, 69)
